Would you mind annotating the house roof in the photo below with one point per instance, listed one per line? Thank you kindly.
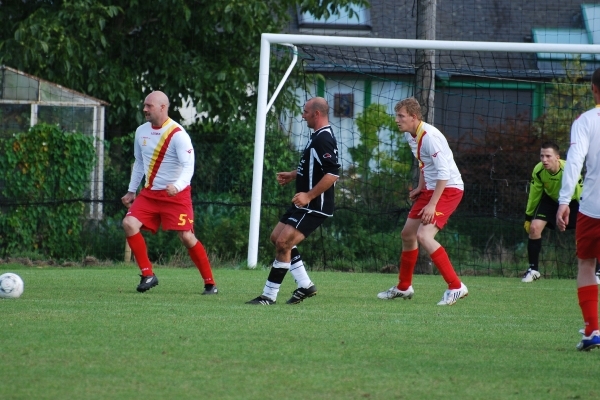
(474, 20)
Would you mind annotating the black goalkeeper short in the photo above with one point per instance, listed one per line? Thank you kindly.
(547, 208)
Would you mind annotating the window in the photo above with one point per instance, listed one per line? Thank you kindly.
(343, 105)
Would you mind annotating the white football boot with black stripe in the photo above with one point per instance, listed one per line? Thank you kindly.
(451, 296)
(394, 292)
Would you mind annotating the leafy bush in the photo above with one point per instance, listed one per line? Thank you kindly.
(47, 176)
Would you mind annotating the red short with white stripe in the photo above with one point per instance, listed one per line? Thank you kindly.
(446, 205)
(155, 208)
(587, 236)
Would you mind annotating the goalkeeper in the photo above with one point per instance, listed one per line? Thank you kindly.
(542, 203)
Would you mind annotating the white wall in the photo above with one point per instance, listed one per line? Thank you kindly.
(345, 129)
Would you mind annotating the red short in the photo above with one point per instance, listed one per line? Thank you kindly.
(446, 205)
(155, 208)
(587, 236)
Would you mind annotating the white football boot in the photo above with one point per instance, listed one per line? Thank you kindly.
(451, 296)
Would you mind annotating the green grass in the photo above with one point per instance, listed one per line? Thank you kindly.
(85, 333)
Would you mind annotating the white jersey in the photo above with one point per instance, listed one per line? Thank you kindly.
(164, 155)
(436, 160)
(585, 145)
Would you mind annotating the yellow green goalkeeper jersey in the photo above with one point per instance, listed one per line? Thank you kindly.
(543, 181)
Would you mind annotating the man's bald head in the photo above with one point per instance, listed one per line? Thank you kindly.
(319, 104)
(156, 108)
(316, 113)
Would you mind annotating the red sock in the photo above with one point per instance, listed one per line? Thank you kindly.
(140, 252)
(199, 257)
(408, 260)
(588, 302)
(442, 262)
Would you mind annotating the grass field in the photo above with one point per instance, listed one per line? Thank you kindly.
(85, 333)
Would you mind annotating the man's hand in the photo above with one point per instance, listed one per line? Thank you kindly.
(171, 190)
(127, 200)
(527, 225)
(301, 199)
(414, 194)
(427, 213)
(562, 217)
(283, 178)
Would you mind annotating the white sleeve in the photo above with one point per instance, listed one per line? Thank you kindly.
(185, 154)
(439, 157)
(575, 158)
(137, 172)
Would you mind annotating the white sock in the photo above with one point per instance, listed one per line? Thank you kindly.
(271, 289)
(299, 273)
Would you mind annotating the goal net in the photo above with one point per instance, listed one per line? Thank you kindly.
(495, 102)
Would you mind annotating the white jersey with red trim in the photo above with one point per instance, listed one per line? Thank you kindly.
(164, 155)
(585, 145)
(436, 160)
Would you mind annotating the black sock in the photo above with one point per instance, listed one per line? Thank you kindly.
(534, 248)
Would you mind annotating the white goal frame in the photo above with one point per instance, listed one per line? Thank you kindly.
(267, 39)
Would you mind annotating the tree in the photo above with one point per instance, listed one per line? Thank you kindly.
(567, 98)
(119, 50)
(380, 167)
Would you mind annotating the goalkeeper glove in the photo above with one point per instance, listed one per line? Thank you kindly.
(527, 225)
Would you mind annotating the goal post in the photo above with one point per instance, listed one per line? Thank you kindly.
(263, 103)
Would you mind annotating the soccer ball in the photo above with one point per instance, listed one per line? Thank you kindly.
(11, 286)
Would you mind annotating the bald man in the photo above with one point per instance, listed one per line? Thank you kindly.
(312, 204)
(164, 155)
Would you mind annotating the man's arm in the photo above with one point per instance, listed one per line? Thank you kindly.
(186, 158)
(536, 188)
(137, 171)
(572, 172)
(283, 178)
(413, 194)
(301, 199)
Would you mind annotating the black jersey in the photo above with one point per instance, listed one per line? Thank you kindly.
(320, 157)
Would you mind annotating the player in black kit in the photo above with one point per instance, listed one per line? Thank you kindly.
(315, 177)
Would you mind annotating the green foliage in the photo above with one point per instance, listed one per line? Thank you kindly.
(378, 174)
(103, 49)
(222, 229)
(370, 124)
(48, 173)
(118, 160)
(566, 99)
(496, 167)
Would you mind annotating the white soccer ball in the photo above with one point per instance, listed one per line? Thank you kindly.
(11, 286)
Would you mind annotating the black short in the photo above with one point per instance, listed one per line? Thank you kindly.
(547, 208)
(305, 221)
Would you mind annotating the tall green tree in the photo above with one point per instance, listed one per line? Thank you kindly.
(119, 50)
